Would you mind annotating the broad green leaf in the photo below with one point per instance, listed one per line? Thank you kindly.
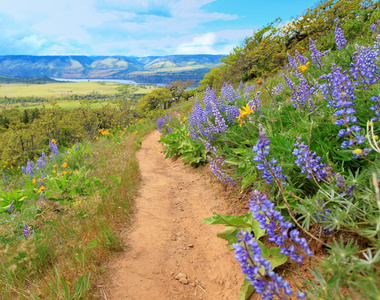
(247, 180)
(228, 220)
(246, 290)
(276, 258)
(239, 150)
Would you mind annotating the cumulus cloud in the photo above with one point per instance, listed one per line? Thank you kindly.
(116, 27)
(33, 41)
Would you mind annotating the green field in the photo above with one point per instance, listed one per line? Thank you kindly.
(62, 89)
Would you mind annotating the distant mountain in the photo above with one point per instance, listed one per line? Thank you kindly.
(163, 69)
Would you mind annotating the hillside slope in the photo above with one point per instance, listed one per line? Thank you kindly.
(148, 69)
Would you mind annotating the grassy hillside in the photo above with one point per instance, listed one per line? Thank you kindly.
(99, 67)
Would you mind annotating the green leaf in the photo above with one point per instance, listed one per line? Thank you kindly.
(246, 290)
(276, 258)
(228, 220)
(247, 180)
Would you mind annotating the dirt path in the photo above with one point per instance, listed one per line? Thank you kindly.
(167, 237)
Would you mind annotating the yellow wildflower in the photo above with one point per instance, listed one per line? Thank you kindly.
(54, 171)
(64, 165)
(40, 190)
(54, 141)
(260, 81)
(34, 181)
(63, 173)
(358, 151)
(188, 134)
(304, 67)
(55, 165)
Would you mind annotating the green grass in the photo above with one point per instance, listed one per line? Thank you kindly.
(64, 89)
(57, 89)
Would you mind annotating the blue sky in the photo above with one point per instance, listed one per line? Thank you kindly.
(139, 28)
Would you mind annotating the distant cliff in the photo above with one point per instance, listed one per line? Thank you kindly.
(141, 69)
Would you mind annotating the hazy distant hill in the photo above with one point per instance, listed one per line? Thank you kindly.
(142, 69)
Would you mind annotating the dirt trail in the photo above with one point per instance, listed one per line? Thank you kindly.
(167, 237)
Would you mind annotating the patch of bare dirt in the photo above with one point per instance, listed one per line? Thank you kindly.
(171, 254)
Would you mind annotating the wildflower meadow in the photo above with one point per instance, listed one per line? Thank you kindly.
(304, 145)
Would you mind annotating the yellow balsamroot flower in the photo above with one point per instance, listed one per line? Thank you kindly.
(63, 173)
(41, 189)
(70, 172)
(188, 134)
(55, 165)
(246, 110)
(76, 171)
(304, 67)
(244, 113)
(34, 181)
(64, 165)
(54, 141)
(260, 81)
(54, 171)
(241, 119)
(358, 151)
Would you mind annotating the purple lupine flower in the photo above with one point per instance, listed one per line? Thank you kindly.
(12, 207)
(27, 231)
(76, 146)
(198, 123)
(255, 102)
(307, 161)
(43, 155)
(220, 123)
(376, 108)
(249, 253)
(269, 168)
(23, 169)
(302, 94)
(340, 182)
(208, 98)
(29, 168)
(5, 177)
(247, 91)
(339, 36)
(66, 153)
(53, 148)
(228, 93)
(292, 62)
(41, 163)
(301, 59)
(375, 28)
(251, 265)
(216, 163)
(278, 89)
(232, 111)
(364, 65)
(160, 124)
(170, 130)
(22, 182)
(316, 56)
(277, 227)
(241, 86)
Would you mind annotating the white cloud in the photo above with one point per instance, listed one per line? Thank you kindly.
(113, 26)
(33, 41)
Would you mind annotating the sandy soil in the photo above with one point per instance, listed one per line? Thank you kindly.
(171, 254)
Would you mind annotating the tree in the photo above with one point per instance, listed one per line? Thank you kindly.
(155, 100)
(177, 88)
